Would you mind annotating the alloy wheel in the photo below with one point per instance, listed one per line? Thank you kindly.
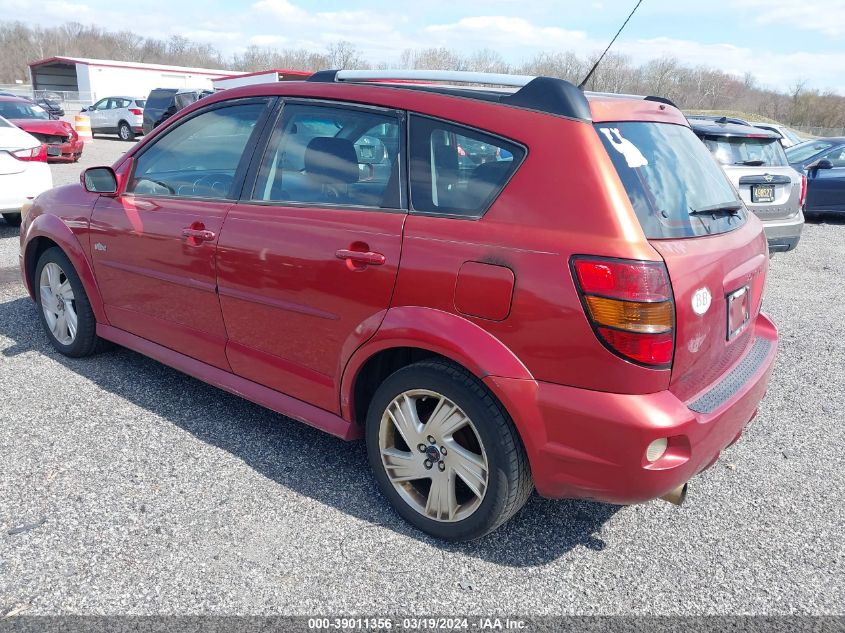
(433, 455)
(58, 303)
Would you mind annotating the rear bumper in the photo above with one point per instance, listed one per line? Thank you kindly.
(591, 445)
(15, 189)
(783, 235)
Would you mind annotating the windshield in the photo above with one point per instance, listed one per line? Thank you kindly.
(801, 152)
(668, 173)
(22, 110)
(744, 150)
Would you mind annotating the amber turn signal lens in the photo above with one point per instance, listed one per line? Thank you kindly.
(632, 316)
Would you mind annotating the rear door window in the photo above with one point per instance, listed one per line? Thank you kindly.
(669, 175)
(458, 171)
(333, 155)
(744, 150)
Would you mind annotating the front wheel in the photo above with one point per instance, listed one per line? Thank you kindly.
(63, 306)
(445, 452)
(12, 219)
(125, 132)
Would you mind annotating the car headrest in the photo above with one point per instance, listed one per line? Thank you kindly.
(331, 160)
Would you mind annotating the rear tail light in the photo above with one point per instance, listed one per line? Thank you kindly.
(629, 304)
(803, 198)
(136, 111)
(32, 155)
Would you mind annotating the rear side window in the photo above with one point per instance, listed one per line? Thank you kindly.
(668, 175)
(744, 150)
(456, 170)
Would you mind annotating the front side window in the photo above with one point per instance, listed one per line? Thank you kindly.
(671, 179)
(836, 157)
(329, 155)
(744, 150)
(458, 171)
(199, 157)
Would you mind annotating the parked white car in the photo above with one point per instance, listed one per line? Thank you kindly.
(123, 116)
(23, 170)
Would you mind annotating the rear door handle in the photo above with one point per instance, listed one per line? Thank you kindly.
(367, 258)
(201, 235)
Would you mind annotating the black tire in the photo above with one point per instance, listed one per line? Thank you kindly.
(86, 341)
(12, 219)
(509, 476)
(125, 132)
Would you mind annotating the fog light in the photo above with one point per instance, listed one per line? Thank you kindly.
(656, 449)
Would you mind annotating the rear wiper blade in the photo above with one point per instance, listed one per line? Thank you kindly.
(755, 162)
(723, 208)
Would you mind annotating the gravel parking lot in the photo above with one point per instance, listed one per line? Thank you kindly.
(128, 488)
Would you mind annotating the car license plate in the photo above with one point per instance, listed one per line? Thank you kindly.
(739, 311)
(54, 150)
(763, 193)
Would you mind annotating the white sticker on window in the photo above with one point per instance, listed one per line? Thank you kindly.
(633, 156)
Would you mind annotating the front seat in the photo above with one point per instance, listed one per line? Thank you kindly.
(331, 165)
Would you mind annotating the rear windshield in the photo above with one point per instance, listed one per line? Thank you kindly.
(801, 152)
(745, 150)
(668, 174)
(159, 99)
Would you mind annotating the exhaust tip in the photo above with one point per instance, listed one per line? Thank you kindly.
(676, 496)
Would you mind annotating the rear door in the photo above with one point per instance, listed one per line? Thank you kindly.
(308, 258)
(758, 168)
(717, 260)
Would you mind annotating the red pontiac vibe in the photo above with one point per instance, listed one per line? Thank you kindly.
(497, 289)
(62, 142)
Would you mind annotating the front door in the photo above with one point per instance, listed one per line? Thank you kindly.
(98, 113)
(154, 245)
(308, 259)
(826, 187)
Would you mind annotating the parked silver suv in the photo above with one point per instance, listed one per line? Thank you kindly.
(756, 164)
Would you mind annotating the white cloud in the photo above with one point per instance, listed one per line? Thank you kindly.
(827, 18)
(505, 32)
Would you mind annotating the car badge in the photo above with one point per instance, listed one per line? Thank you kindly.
(701, 301)
(768, 178)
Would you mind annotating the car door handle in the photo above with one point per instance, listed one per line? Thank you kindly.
(367, 258)
(200, 235)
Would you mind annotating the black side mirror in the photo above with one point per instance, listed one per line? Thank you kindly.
(822, 163)
(99, 180)
(83, 110)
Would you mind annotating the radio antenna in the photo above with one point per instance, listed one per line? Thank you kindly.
(598, 61)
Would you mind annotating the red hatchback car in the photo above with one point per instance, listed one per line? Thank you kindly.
(576, 309)
(62, 142)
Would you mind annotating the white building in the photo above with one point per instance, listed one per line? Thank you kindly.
(261, 77)
(87, 80)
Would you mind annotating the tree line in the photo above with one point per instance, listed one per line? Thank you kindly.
(691, 87)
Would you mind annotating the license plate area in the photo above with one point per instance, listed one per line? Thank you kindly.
(739, 312)
(762, 193)
(54, 150)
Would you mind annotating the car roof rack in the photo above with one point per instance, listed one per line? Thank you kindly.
(543, 94)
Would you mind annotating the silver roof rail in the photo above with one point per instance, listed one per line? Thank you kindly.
(454, 76)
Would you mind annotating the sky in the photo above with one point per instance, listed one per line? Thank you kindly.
(780, 41)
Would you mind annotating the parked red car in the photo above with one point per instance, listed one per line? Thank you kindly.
(63, 143)
(580, 315)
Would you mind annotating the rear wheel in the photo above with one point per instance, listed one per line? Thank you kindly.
(12, 219)
(445, 452)
(125, 132)
(63, 306)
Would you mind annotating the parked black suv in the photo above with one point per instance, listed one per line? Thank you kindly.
(163, 103)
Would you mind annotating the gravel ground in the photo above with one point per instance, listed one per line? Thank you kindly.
(126, 487)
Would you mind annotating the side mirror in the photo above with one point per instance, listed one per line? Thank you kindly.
(84, 110)
(822, 163)
(99, 180)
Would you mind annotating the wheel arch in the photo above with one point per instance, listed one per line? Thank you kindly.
(47, 231)
(410, 334)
